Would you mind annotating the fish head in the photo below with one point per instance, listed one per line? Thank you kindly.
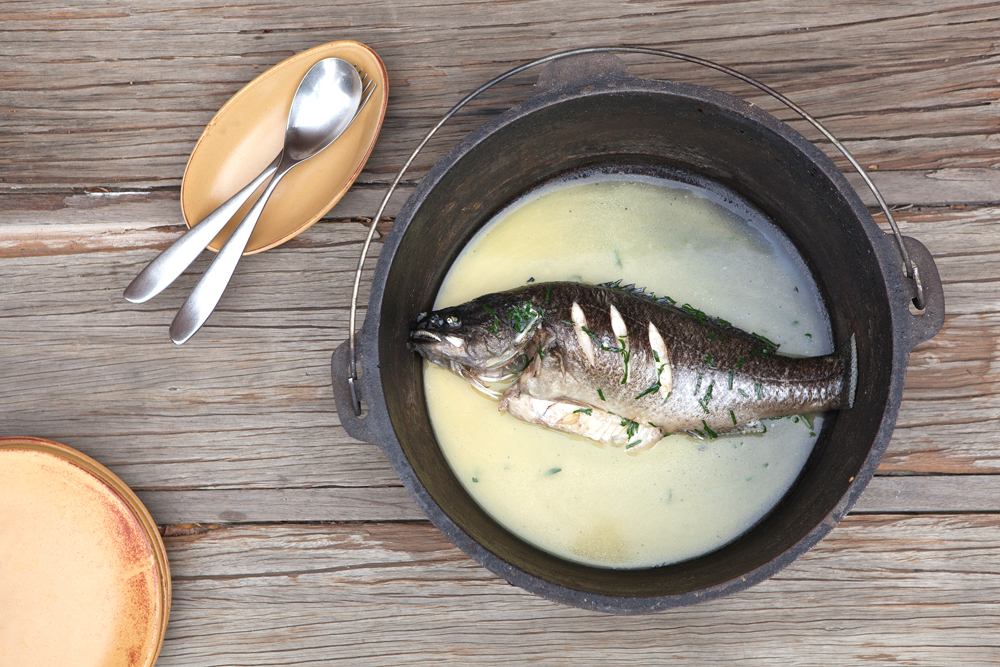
(482, 337)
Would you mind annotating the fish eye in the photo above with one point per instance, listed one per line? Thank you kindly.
(452, 321)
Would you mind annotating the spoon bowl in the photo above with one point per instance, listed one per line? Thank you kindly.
(323, 107)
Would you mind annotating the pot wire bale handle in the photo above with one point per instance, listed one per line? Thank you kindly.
(910, 268)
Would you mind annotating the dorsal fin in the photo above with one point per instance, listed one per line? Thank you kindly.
(640, 292)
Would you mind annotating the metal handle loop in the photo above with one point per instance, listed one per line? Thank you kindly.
(908, 265)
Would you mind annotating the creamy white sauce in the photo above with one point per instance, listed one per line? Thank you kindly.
(604, 506)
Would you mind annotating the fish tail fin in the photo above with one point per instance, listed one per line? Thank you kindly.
(849, 356)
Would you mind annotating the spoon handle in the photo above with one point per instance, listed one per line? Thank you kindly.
(206, 294)
(171, 263)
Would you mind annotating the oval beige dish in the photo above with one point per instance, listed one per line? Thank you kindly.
(248, 132)
(85, 580)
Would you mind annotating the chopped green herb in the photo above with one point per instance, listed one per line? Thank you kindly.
(711, 335)
(732, 416)
(601, 394)
(743, 393)
(524, 316)
(708, 361)
(732, 372)
(809, 336)
(699, 433)
(633, 444)
(626, 355)
(495, 327)
(739, 362)
(651, 424)
(475, 479)
(711, 434)
(653, 387)
(552, 471)
(631, 427)
(794, 322)
(722, 321)
(765, 340)
(618, 260)
(586, 411)
(697, 386)
(760, 389)
(703, 401)
(548, 292)
(656, 356)
(691, 310)
(808, 420)
(667, 396)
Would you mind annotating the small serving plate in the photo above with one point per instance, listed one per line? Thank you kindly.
(84, 578)
(248, 132)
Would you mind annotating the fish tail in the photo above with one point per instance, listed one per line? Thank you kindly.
(849, 357)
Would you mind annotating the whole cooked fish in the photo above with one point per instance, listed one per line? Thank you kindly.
(618, 366)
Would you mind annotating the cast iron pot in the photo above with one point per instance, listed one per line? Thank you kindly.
(588, 113)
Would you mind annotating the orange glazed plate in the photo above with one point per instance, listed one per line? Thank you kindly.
(248, 132)
(85, 580)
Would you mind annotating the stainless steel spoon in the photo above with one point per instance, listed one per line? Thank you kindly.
(172, 262)
(323, 107)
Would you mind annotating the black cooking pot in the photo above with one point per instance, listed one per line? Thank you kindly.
(590, 113)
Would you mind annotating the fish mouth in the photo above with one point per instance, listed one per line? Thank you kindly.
(424, 336)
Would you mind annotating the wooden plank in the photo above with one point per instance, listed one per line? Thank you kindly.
(930, 493)
(384, 503)
(119, 95)
(40, 223)
(906, 494)
(901, 590)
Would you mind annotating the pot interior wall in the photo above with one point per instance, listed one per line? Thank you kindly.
(691, 132)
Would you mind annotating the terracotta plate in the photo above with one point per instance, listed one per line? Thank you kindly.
(84, 579)
(247, 133)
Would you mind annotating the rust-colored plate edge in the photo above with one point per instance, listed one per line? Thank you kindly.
(131, 501)
(239, 142)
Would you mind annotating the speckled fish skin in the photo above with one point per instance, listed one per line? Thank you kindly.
(625, 357)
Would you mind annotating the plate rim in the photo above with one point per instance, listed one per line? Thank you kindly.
(129, 500)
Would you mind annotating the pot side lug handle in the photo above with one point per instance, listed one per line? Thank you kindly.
(928, 323)
(357, 427)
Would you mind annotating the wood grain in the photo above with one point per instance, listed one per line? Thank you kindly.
(293, 544)
(894, 590)
(120, 93)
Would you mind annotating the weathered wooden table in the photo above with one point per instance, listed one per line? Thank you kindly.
(291, 543)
